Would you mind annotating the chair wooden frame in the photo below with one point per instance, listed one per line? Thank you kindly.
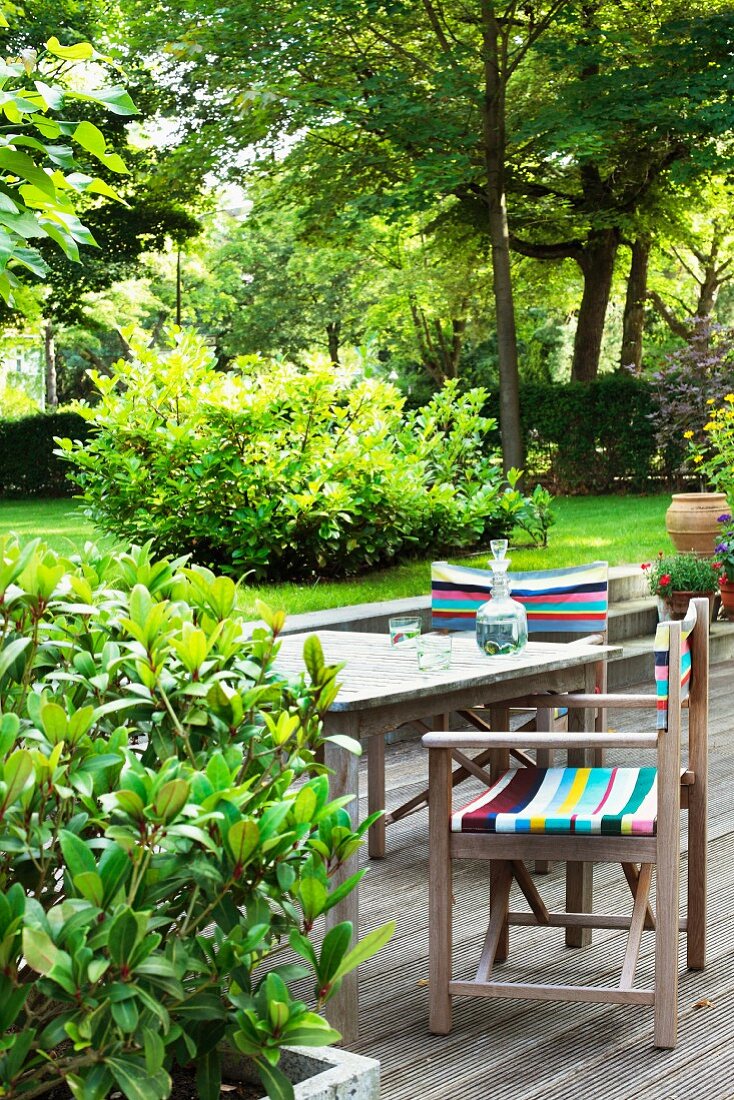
(508, 852)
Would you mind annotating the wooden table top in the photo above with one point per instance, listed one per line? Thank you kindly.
(377, 673)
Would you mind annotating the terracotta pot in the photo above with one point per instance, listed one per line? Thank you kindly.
(675, 605)
(691, 521)
(727, 597)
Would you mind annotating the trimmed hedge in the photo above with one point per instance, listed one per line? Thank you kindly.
(28, 465)
(580, 438)
(595, 437)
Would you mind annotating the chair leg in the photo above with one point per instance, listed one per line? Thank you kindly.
(696, 899)
(632, 874)
(499, 719)
(666, 948)
(544, 720)
(376, 795)
(502, 871)
(440, 891)
(580, 876)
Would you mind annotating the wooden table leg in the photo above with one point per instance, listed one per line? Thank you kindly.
(376, 795)
(342, 1010)
(580, 876)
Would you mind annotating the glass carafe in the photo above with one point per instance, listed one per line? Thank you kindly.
(502, 624)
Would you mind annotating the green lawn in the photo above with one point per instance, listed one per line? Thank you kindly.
(615, 529)
(619, 530)
(57, 522)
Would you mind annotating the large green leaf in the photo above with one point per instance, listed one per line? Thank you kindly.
(124, 934)
(277, 1085)
(20, 164)
(11, 652)
(78, 857)
(135, 1082)
(209, 1075)
(42, 955)
(18, 775)
(171, 799)
(336, 944)
(368, 946)
(243, 838)
(80, 51)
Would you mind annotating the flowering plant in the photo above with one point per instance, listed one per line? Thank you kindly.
(681, 573)
(713, 456)
(685, 386)
(725, 549)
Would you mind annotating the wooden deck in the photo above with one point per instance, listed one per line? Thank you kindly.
(520, 1050)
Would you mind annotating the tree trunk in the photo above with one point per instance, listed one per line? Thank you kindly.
(458, 331)
(333, 330)
(597, 265)
(709, 290)
(633, 323)
(493, 121)
(52, 399)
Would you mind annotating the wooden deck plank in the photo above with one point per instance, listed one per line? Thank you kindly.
(515, 1050)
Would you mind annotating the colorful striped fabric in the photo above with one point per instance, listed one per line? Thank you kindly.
(662, 663)
(605, 801)
(573, 600)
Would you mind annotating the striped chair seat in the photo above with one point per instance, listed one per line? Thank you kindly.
(606, 801)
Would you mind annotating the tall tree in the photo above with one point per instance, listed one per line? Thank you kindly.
(633, 320)
(703, 261)
(634, 103)
(409, 101)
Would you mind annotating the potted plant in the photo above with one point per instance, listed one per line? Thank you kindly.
(676, 578)
(725, 555)
(693, 518)
(692, 380)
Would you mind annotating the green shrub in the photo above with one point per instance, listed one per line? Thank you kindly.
(16, 403)
(284, 472)
(165, 829)
(28, 465)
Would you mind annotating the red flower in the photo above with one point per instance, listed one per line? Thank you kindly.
(645, 565)
(717, 565)
(665, 579)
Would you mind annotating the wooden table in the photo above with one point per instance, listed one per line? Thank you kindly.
(381, 688)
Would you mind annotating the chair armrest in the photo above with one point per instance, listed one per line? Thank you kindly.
(578, 699)
(545, 739)
(590, 639)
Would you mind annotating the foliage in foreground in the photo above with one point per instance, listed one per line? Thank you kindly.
(285, 472)
(42, 180)
(164, 830)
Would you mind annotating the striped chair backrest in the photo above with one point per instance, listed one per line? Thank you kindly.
(573, 600)
(662, 663)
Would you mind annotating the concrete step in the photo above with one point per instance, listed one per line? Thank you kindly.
(627, 582)
(632, 617)
(637, 663)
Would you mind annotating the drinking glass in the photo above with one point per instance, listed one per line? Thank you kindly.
(404, 631)
(434, 652)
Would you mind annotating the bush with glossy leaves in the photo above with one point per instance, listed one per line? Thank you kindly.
(284, 472)
(165, 829)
